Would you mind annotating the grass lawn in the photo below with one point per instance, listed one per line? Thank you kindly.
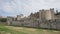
(23, 30)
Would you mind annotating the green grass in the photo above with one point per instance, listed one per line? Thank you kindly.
(4, 29)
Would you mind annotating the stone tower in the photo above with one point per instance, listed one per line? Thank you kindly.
(52, 13)
(46, 14)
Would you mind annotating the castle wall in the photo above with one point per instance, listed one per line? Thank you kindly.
(47, 24)
(46, 20)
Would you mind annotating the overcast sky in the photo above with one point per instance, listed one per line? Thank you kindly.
(15, 7)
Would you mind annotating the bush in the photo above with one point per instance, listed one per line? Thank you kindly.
(3, 19)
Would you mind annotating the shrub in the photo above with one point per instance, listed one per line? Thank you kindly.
(3, 19)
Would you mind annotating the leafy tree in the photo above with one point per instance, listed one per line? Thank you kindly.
(3, 19)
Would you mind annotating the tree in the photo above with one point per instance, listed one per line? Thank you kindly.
(3, 19)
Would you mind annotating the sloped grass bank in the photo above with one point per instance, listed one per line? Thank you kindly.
(33, 30)
(4, 29)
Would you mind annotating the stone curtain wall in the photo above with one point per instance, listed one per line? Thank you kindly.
(47, 24)
(51, 24)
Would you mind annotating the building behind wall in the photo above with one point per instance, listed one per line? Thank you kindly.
(44, 15)
(57, 15)
(20, 16)
(10, 19)
(35, 15)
